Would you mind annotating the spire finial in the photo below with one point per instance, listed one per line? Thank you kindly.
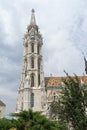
(33, 10)
(33, 21)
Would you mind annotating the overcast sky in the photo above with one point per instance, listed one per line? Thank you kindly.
(63, 25)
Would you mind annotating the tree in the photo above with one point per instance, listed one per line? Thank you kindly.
(71, 107)
(30, 120)
(54, 109)
(5, 124)
(74, 103)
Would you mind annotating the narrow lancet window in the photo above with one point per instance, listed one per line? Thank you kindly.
(38, 49)
(32, 47)
(32, 62)
(38, 63)
(32, 80)
(32, 99)
(39, 79)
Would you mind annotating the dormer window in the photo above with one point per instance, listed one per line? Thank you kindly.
(54, 96)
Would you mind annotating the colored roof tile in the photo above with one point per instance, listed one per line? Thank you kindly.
(57, 81)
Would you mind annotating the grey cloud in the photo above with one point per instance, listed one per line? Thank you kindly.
(63, 26)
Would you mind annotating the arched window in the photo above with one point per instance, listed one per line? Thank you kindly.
(32, 62)
(39, 79)
(32, 99)
(32, 80)
(32, 47)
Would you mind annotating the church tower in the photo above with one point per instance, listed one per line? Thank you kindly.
(31, 93)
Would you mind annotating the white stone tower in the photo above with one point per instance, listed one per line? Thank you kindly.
(31, 93)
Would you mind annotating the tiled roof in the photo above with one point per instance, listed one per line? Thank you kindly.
(53, 81)
(1, 103)
(57, 81)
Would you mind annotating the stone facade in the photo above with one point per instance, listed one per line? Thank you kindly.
(2, 109)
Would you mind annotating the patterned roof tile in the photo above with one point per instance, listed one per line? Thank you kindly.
(57, 81)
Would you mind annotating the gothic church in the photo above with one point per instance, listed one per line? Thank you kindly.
(36, 91)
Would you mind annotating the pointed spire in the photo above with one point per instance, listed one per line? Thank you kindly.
(33, 21)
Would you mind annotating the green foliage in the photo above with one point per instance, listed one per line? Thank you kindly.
(5, 124)
(54, 110)
(71, 108)
(36, 121)
(74, 103)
